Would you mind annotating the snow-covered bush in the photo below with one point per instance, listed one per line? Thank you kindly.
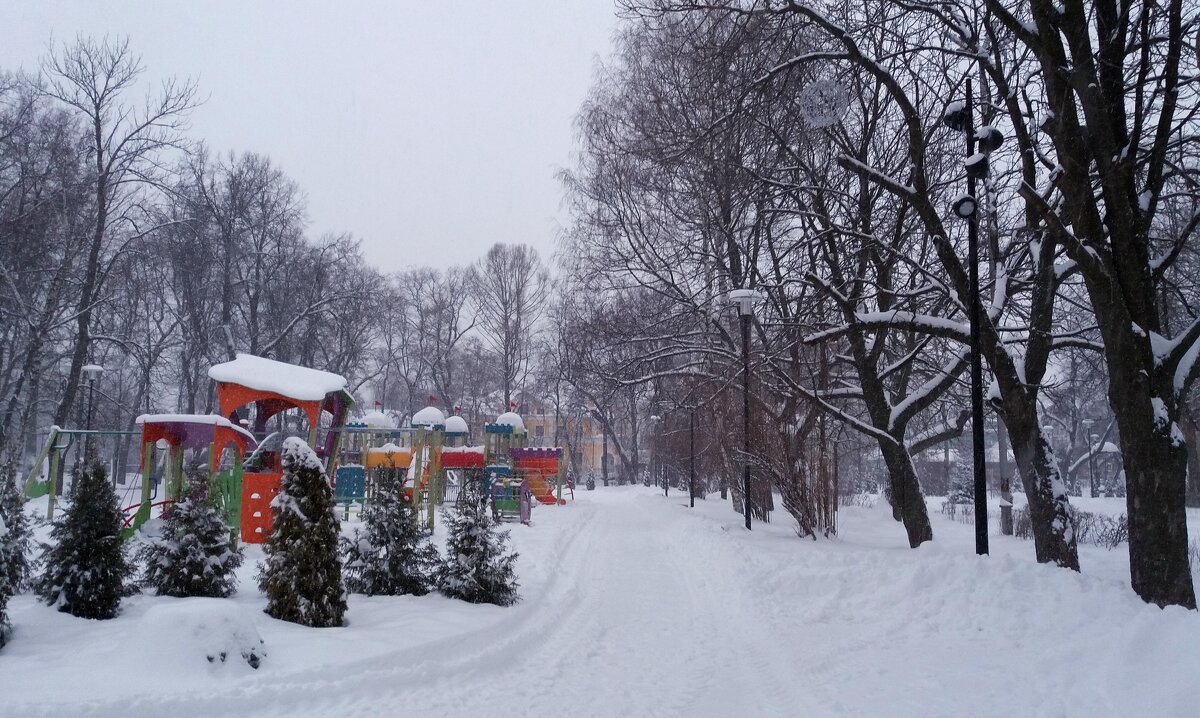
(197, 634)
(86, 570)
(194, 555)
(478, 568)
(14, 544)
(301, 574)
(390, 555)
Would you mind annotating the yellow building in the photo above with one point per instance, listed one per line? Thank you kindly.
(583, 435)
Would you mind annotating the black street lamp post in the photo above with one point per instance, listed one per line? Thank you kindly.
(692, 458)
(744, 298)
(960, 117)
(91, 372)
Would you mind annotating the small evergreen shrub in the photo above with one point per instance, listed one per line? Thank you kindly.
(194, 555)
(86, 569)
(478, 568)
(14, 544)
(391, 554)
(301, 574)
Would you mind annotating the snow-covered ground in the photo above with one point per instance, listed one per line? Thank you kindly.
(635, 605)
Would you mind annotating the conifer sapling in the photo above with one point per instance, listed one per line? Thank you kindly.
(14, 544)
(194, 555)
(478, 568)
(301, 574)
(390, 555)
(86, 569)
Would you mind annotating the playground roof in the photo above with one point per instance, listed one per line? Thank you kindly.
(511, 418)
(194, 430)
(429, 416)
(456, 425)
(378, 420)
(262, 374)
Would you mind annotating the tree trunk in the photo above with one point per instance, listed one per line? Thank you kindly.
(1053, 535)
(908, 504)
(1192, 433)
(1155, 456)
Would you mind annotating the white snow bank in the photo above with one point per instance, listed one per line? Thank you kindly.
(513, 419)
(456, 425)
(429, 416)
(198, 634)
(296, 382)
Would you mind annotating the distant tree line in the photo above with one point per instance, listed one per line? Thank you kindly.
(128, 243)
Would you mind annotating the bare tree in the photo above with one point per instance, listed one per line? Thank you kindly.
(126, 148)
(511, 284)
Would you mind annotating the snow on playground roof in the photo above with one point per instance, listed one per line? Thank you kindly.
(513, 419)
(295, 382)
(378, 420)
(456, 425)
(429, 416)
(211, 419)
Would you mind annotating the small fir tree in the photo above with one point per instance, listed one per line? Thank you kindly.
(14, 544)
(391, 555)
(478, 568)
(962, 484)
(86, 569)
(301, 574)
(194, 555)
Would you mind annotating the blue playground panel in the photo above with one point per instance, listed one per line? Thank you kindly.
(350, 484)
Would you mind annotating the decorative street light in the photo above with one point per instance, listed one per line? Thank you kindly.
(656, 450)
(692, 458)
(959, 116)
(91, 372)
(744, 299)
(1092, 439)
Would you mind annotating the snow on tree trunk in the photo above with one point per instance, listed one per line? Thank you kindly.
(390, 555)
(477, 567)
(86, 569)
(301, 574)
(194, 555)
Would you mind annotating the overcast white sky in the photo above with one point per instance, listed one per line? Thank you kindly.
(428, 129)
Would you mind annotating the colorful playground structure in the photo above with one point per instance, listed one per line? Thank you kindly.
(261, 403)
(434, 457)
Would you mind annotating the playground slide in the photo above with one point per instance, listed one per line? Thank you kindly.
(543, 490)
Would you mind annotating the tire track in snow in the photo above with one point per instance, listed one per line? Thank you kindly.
(643, 616)
(316, 692)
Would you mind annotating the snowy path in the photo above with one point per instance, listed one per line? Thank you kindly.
(633, 613)
(637, 606)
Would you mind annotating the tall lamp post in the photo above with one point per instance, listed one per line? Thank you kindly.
(656, 451)
(744, 299)
(1091, 438)
(692, 458)
(959, 116)
(91, 372)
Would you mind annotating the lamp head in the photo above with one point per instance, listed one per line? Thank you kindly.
(744, 299)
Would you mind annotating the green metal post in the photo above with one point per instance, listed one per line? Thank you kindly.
(437, 438)
(147, 469)
(414, 466)
(41, 457)
(51, 480)
(562, 465)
